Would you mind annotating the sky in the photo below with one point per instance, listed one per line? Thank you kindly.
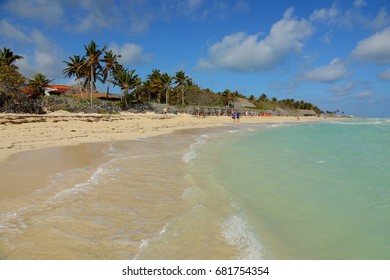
(334, 54)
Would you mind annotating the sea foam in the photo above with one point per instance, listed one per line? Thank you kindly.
(236, 231)
(191, 154)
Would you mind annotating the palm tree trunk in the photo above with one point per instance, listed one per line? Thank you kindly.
(91, 85)
(108, 85)
(81, 93)
(182, 96)
(108, 90)
(125, 92)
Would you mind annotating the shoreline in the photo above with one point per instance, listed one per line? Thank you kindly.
(136, 198)
(27, 132)
(64, 197)
(59, 194)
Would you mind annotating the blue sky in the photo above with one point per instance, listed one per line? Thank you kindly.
(334, 54)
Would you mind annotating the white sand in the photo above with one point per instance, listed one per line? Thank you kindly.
(22, 132)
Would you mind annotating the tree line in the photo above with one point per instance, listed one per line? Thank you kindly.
(101, 64)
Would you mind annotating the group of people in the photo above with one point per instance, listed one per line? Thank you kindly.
(236, 116)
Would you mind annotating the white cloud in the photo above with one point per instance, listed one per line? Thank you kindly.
(381, 20)
(137, 17)
(364, 95)
(8, 30)
(333, 72)
(130, 53)
(350, 87)
(86, 15)
(244, 53)
(134, 18)
(140, 22)
(350, 18)
(44, 56)
(385, 75)
(242, 6)
(192, 5)
(375, 48)
(359, 3)
(46, 10)
(74, 16)
(342, 90)
(328, 15)
(40, 62)
(327, 37)
(46, 62)
(201, 10)
(92, 14)
(25, 66)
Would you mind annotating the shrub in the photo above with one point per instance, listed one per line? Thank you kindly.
(78, 105)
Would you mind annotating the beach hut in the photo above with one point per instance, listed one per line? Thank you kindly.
(241, 103)
(280, 112)
(307, 113)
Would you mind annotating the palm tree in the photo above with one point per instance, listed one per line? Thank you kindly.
(92, 64)
(138, 89)
(8, 58)
(111, 61)
(125, 79)
(75, 68)
(155, 84)
(38, 84)
(228, 97)
(182, 80)
(263, 97)
(146, 87)
(166, 82)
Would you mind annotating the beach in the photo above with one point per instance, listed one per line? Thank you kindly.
(177, 187)
(86, 186)
(23, 132)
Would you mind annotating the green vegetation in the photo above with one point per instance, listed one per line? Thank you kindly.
(37, 84)
(266, 104)
(11, 81)
(126, 80)
(75, 105)
(102, 65)
(7, 57)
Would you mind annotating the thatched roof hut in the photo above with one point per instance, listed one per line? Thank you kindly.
(241, 103)
(282, 112)
(307, 113)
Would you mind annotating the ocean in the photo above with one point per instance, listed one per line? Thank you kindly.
(243, 191)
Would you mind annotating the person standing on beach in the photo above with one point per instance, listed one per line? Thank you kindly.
(234, 115)
(165, 112)
(238, 116)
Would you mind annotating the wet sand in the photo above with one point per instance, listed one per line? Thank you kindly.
(121, 200)
(25, 172)
(32, 147)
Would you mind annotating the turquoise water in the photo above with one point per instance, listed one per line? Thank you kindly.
(306, 191)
